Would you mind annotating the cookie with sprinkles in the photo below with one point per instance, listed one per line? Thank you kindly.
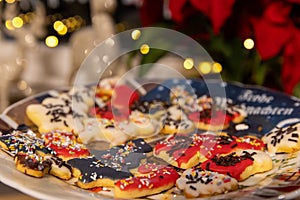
(152, 179)
(187, 150)
(127, 156)
(214, 116)
(240, 164)
(32, 164)
(176, 121)
(283, 140)
(26, 142)
(201, 183)
(65, 145)
(92, 173)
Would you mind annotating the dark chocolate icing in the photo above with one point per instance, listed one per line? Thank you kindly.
(92, 169)
(126, 156)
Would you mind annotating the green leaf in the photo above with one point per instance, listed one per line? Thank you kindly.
(296, 90)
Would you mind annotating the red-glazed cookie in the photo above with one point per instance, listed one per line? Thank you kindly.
(65, 145)
(214, 117)
(153, 179)
(239, 165)
(187, 150)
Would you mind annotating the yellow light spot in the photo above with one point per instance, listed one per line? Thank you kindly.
(205, 67)
(217, 67)
(249, 43)
(188, 63)
(136, 34)
(51, 41)
(145, 49)
(22, 85)
(63, 30)
(58, 25)
(17, 22)
(10, 1)
(9, 25)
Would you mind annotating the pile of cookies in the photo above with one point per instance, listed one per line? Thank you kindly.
(180, 146)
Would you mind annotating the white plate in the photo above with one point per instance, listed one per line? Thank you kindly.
(50, 187)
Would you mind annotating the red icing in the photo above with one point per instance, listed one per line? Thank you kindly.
(219, 117)
(183, 147)
(65, 144)
(154, 176)
(117, 107)
(124, 96)
(234, 171)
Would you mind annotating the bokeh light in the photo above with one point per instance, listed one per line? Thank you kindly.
(51, 41)
(17, 22)
(145, 49)
(205, 67)
(136, 34)
(249, 43)
(9, 25)
(188, 63)
(217, 67)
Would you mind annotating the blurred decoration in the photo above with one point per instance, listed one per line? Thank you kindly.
(31, 32)
(255, 42)
(86, 39)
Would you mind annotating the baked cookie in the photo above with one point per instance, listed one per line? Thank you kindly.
(32, 164)
(113, 134)
(283, 140)
(125, 157)
(240, 164)
(187, 100)
(154, 109)
(140, 125)
(187, 150)
(201, 183)
(176, 121)
(92, 173)
(215, 116)
(26, 142)
(91, 131)
(55, 113)
(105, 86)
(82, 98)
(59, 168)
(65, 145)
(152, 179)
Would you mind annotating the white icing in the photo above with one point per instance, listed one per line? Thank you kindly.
(285, 139)
(197, 183)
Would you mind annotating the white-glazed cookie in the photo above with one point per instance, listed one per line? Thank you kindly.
(92, 131)
(176, 122)
(140, 125)
(82, 98)
(112, 133)
(283, 140)
(198, 183)
(55, 113)
(179, 96)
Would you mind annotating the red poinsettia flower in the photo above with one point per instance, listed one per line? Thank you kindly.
(277, 33)
(217, 11)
